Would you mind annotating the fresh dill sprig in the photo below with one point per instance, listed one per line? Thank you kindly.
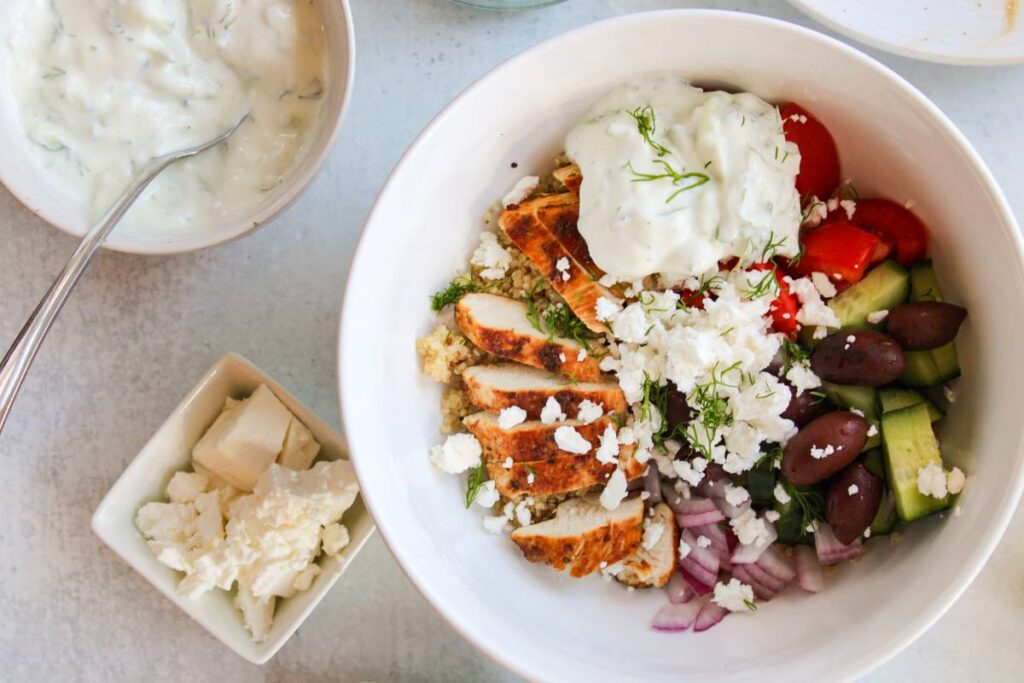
(560, 321)
(810, 502)
(677, 178)
(647, 126)
(792, 354)
(460, 286)
(532, 314)
(477, 478)
(713, 411)
(771, 248)
(768, 284)
(750, 605)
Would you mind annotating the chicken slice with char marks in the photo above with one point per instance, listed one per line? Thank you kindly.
(494, 387)
(653, 567)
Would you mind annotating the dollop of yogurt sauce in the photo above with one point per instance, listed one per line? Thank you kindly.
(104, 86)
(676, 179)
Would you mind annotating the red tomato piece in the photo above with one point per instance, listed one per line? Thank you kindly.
(692, 299)
(819, 158)
(840, 250)
(785, 306)
(896, 225)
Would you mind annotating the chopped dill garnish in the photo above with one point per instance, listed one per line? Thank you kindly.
(767, 285)
(460, 286)
(713, 411)
(750, 605)
(677, 177)
(557, 320)
(771, 248)
(810, 503)
(792, 354)
(530, 469)
(647, 126)
(477, 478)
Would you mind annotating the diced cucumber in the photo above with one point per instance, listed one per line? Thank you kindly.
(910, 445)
(920, 370)
(789, 525)
(761, 484)
(885, 519)
(864, 399)
(924, 286)
(894, 399)
(874, 463)
(885, 286)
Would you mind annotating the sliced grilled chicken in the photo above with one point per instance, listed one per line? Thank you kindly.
(562, 474)
(545, 230)
(499, 326)
(653, 567)
(529, 441)
(582, 535)
(493, 387)
(569, 176)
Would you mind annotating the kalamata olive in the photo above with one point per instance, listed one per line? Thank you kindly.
(864, 358)
(924, 324)
(803, 408)
(678, 411)
(852, 501)
(823, 447)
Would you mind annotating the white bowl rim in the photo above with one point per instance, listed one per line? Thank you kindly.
(297, 183)
(909, 632)
(956, 59)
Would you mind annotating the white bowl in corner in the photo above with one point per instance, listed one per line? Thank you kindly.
(42, 195)
(170, 451)
(892, 141)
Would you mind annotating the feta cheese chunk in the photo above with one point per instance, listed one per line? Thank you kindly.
(614, 491)
(245, 439)
(589, 411)
(458, 453)
(734, 596)
(521, 191)
(492, 258)
(510, 417)
(571, 441)
(300, 447)
(931, 480)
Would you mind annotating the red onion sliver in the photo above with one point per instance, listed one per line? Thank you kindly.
(762, 591)
(699, 519)
(699, 587)
(749, 554)
(710, 614)
(830, 549)
(705, 557)
(719, 542)
(732, 511)
(679, 590)
(758, 574)
(777, 564)
(808, 570)
(652, 484)
(676, 617)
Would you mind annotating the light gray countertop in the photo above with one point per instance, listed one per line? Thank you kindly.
(140, 330)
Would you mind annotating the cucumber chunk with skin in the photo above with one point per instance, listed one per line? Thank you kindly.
(887, 285)
(894, 399)
(864, 399)
(885, 519)
(910, 445)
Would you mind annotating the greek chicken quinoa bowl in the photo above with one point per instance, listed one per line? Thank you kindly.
(709, 352)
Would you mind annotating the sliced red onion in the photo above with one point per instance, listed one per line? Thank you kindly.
(701, 564)
(775, 562)
(693, 511)
(699, 587)
(808, 570)
(762, 577)
(719, 542)
(676, 617)
(652, 484)
(710, 614)
(700, 519)
(830, 549)
(635, 484)
(679, 590)
(711, 487)
(761, 590)
(732, 511)
(749, 554)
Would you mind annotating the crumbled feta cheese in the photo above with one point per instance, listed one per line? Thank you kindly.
(802, 378)
(627, 436)
(458, 453)
(496, 524)
(684, 549)
(523, 513)
(581, 356)
(867, 533)
(552, 412)
(571, 441)
(521, 191)
(772, 515)
(589, 411)
(608, 449)
(703, 541)
(781, 494)
(684, 470)
(820, 453)
(798, 118)
(606, 309)
(508, 463)
(734, 596)
(530, 478)
(851, 338)
(857, 411)
(931, 480)
(185, 487)
(875, 317)
(816, 212)
(562, 266)
(955, 481)
(491, 257)
(833, 203)
(849, 206)
(487, 495)
(820, 332)
(909, 204)
(614, 491)
(561, 357)
(751, 529)
(949, 394)
(825, 288)
(812, 528)
(608, 280)
(510, 417)
(813, 311)
(872, 430)
(652, 534)
(853, 489)
(736, 495)
(334, 538)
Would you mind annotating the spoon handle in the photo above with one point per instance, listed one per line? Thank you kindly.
(18, 360)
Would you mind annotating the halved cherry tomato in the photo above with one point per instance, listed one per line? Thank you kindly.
(692, 299)
(896, 225)
(819, 158)
(785, 306)
(840, 250)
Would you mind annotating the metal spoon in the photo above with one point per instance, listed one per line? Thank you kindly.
(23, 351)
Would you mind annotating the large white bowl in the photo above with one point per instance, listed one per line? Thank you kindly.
(426, 221)
(34, 187)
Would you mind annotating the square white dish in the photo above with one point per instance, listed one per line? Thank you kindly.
(170, 451)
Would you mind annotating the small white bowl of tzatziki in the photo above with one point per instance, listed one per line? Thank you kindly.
(91, 90)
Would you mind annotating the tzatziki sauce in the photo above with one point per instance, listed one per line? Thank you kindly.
(103, 86)
(676, 179)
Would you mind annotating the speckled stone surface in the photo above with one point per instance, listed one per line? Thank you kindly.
(139, 331)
